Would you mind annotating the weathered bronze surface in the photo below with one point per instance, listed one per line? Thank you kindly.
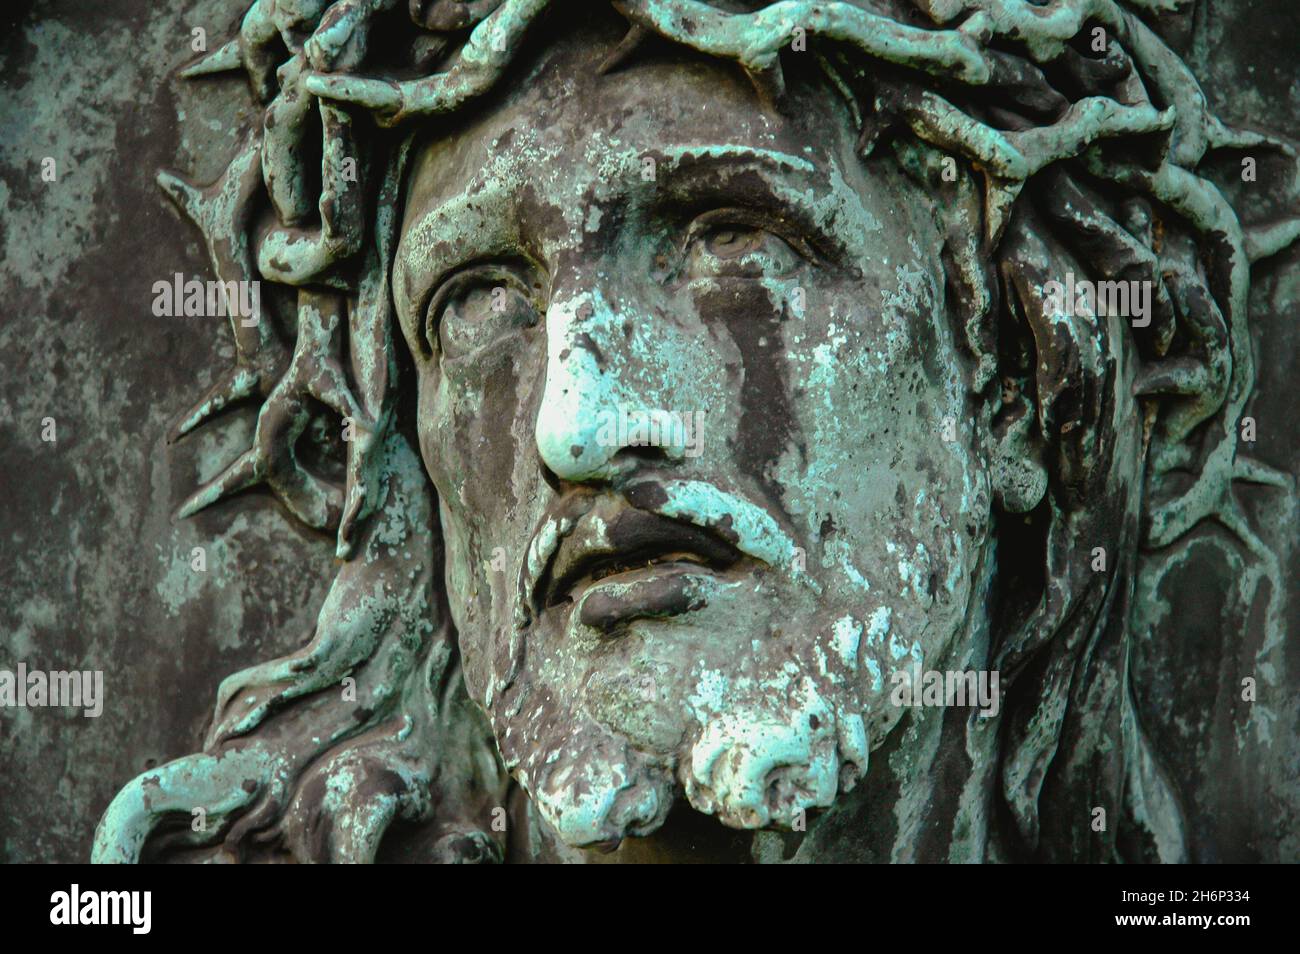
(680, 383)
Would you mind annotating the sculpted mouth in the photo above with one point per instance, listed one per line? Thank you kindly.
(618, 543)
(641, 552)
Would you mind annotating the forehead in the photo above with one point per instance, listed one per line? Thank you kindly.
(562, 127)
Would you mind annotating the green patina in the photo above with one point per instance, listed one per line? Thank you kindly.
(371, 723)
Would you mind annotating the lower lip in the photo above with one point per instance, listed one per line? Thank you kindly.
(661, 591)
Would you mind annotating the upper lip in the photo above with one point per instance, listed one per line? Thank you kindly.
(618, 538)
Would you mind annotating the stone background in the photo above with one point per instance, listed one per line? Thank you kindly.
(94, 572)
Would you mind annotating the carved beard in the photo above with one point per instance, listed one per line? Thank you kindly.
(753, 757)
(765, 761)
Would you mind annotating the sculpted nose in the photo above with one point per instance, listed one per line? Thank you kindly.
(582, 387)
(591, 372)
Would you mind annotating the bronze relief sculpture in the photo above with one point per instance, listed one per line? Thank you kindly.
(687, 384)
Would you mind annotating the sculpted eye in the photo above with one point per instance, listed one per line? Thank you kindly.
(476, 307)
(727, 242)
(739, 243)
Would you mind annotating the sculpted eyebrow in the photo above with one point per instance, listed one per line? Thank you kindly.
(682, 156)
(682, 167)
(462, 227)
(696, 179)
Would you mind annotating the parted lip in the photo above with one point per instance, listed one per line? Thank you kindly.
(613, 537)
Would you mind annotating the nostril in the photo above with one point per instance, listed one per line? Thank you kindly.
(629, 460)
(638, 453)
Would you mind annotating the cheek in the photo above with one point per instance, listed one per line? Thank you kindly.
(893, 491)
(429, 424)
(475, 431)
(470, 424)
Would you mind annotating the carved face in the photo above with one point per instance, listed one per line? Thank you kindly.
(696, 416)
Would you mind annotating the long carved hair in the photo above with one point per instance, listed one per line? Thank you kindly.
(1059, 135)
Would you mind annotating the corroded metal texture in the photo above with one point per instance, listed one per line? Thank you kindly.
(680, 384)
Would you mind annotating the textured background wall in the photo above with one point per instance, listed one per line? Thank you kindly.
(94, 573)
